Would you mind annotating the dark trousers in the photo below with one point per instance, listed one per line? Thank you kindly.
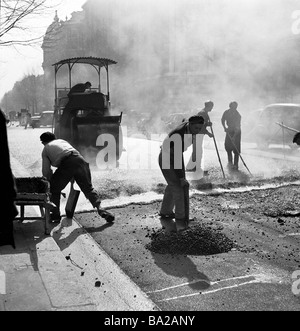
(174, 195)
(230, 159)
(75, 167)
(233, 146)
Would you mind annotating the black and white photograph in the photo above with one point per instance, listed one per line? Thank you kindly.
(150, 158)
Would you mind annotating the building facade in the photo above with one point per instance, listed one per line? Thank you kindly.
(172, 54)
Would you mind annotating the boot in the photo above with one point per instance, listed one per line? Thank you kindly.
(106, 215)
(230, 166)
(181, 225)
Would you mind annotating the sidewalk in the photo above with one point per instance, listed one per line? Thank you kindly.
(66, 271)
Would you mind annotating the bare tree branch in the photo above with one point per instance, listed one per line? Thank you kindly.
(12, 20)
(21, 42)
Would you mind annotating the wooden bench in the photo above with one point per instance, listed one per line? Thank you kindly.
(42, 200)
(35, 199)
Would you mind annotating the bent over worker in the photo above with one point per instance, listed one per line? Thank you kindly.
(231, 121)
(71, 109)
(70, 164)
(79, 88)
(171, 163)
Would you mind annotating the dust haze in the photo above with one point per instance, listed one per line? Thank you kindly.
(233, 40)
(173, 55)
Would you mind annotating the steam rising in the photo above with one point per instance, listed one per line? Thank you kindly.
(219, 50)
(173, 55)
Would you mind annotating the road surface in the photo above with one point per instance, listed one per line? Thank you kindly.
(258, 275)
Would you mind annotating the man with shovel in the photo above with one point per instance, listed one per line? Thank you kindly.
(231, 122)
(171, 163)
(70, 165)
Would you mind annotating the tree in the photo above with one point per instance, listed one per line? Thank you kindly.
(13, 14)
(28, 93)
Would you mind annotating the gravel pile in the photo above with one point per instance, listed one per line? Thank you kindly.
(197, 240)
(31, 185)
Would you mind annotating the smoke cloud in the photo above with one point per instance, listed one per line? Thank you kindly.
(174, 55)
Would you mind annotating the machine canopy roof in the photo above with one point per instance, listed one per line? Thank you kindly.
(96, 61)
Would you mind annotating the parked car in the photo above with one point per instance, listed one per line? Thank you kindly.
(44, 119)
(276, 124)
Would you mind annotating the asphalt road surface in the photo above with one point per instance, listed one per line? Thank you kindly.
(258, 273)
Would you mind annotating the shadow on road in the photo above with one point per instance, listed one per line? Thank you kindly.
(182, 267)
(65, 239)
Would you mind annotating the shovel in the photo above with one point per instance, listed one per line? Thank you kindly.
(72, 201)
(286, 127)
(212, 131)
(186, 203)
(239, 154)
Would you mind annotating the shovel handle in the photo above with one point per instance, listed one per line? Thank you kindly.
(186, 202)
(217, 151)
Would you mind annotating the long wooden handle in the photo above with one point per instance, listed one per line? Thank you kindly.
(286, 127)
(217, 151)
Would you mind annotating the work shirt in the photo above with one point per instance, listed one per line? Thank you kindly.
(174, 145)
(233, 120)
(53, 153)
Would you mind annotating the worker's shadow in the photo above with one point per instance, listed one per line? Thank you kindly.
(30, 239)
(65, 235)
(182, 266)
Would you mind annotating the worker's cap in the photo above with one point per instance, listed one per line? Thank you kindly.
(46, 137)
(208, 103)
(196, 119)
(296, 137)
(233, 104)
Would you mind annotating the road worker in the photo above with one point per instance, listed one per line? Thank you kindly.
(171, 163)
(70, 164)
(231, 122)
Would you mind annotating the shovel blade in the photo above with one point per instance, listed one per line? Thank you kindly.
(72, 202)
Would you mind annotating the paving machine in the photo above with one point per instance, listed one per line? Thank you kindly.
(85, 119)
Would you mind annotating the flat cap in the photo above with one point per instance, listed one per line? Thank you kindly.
(196, 119)
(208, 103)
